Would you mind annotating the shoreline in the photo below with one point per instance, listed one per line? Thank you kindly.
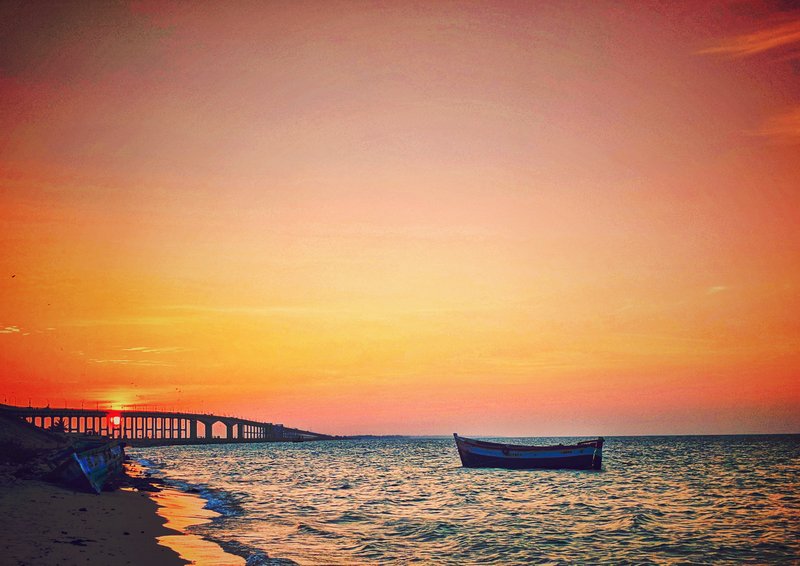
(180, 510)
(202, 507)
(138, 518)
(142, 522)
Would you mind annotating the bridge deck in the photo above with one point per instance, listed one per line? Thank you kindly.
(158, 427)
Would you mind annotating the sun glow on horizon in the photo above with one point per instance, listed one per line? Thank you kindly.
(383, 219)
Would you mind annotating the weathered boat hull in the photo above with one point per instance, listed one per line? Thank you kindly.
(586, 455)
(92, 468)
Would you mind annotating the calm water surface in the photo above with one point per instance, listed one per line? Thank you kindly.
(712, 499)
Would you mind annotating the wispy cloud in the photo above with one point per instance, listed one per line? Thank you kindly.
(283, 311)
(128, 362)
(716, 289)
(123, 321)
(13, 329)
(783, 128)
(344, 311)
(773, 37)
(149, 350)
(256, 311)
(783, 37)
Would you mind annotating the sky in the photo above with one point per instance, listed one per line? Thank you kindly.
(497, 218)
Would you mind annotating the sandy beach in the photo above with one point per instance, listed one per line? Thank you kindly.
(44, 523)
(137, 523)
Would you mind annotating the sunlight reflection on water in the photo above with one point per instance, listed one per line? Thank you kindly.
(663, 499)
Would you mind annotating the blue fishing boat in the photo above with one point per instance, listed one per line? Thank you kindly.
(586, 455)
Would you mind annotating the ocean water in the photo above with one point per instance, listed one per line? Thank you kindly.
(664, 500)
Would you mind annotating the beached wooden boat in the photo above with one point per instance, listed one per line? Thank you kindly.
(586, 455)
(91, 464)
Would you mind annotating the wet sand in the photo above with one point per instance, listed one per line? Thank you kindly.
(180, 511)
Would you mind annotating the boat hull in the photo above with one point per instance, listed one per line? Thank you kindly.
(91, 468)
(481, 454)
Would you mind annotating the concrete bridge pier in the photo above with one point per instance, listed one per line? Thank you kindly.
(209, 428)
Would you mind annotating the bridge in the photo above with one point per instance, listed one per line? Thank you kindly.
(158, 428)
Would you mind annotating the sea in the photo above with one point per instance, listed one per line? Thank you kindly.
(657, 500)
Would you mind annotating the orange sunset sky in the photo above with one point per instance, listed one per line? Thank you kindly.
(510, 218)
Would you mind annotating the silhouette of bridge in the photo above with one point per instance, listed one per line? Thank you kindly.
(149, 428)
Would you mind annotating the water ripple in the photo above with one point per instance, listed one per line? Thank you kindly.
(662, 500)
